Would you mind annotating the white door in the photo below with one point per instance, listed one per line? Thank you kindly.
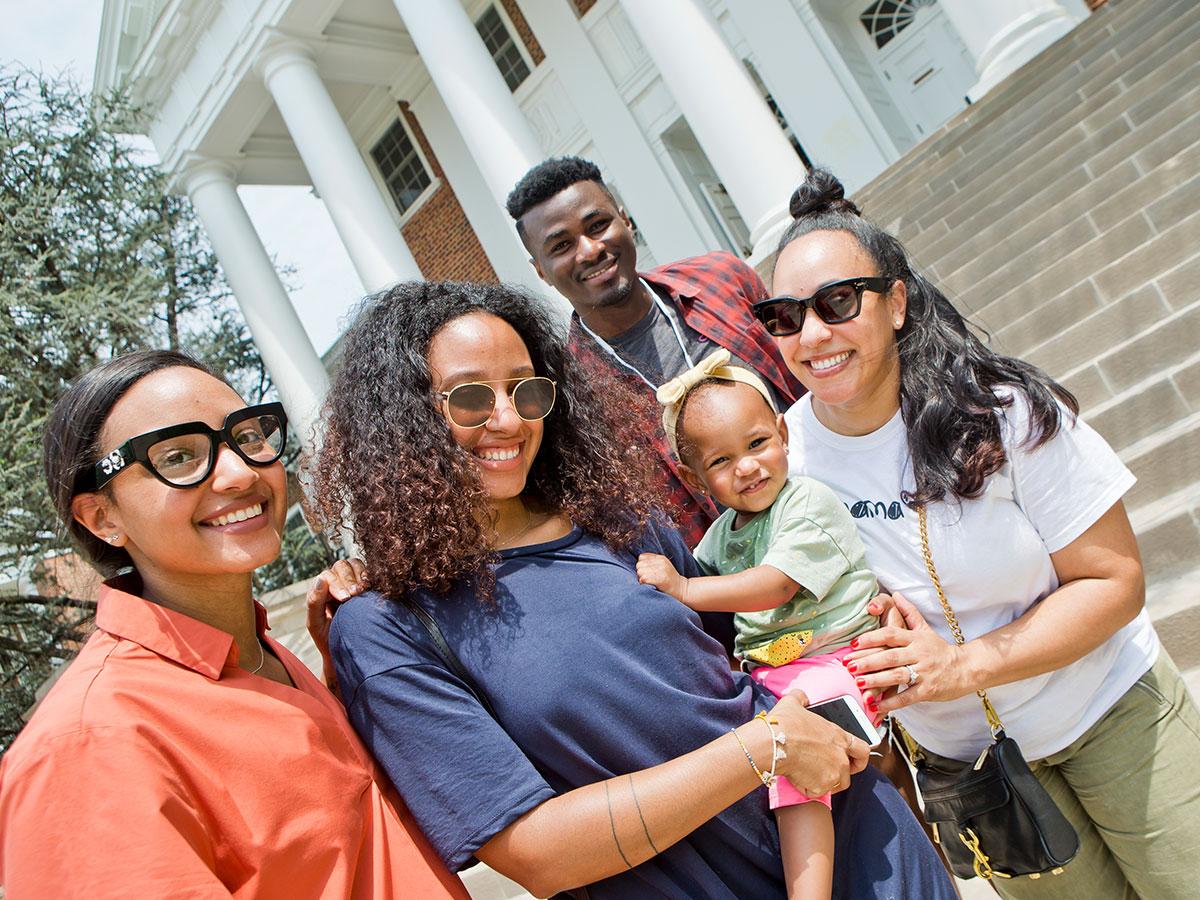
(924, 63)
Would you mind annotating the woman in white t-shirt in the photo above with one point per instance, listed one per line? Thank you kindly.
(906, 408)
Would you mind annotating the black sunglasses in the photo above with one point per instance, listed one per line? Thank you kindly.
(183, 455)
(472, 404)
(835, 303)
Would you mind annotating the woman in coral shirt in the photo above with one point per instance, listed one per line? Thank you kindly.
(184, 752)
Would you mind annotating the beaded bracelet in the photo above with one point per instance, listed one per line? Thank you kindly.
(778, 739)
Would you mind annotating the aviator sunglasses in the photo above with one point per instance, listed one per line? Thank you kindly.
(472, 404)
(835, 303)
(183, 456)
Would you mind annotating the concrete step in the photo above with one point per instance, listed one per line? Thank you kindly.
(1098, 28)
(1146, 409)
(985, 144)
(1160, 195)
(483, 883)
(984, 241)
(1123, 268)
(1068, 63)
(1168, 534)
(1165, 462)
(1058, 74)
(1156, 140)
(1111, 116)
(1176, 616)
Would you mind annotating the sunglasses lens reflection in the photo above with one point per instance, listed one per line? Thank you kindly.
(836, 303)
(534, 398)
(784, 318)
(260, 438)
(471, 405)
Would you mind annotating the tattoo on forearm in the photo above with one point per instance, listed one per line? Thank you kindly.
(640, 816)
(613, 825)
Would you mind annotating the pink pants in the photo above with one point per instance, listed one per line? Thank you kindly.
(821, 677)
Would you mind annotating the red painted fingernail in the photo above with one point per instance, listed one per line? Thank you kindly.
(861, 682)
(852, 667)
(872, 704)
(854, 644)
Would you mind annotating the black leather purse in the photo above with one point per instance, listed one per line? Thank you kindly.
(992, 817)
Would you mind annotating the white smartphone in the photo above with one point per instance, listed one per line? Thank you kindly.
(845, 713)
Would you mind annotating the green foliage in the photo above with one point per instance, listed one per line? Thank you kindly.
(37, 634)
(96, 259)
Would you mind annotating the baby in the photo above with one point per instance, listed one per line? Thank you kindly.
(786, 559)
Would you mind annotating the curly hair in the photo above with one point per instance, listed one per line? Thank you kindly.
(390, 470)
(948, 376)
(548, 178)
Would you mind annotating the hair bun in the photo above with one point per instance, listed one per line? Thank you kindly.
(820, 193)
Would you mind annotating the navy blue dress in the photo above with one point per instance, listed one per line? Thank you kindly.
(593, 675)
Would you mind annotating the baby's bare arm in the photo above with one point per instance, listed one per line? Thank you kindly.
(759, 588)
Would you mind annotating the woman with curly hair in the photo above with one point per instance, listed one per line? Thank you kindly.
(932, 438)
(586, 739)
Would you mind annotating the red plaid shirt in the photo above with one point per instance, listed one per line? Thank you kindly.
(713, 293)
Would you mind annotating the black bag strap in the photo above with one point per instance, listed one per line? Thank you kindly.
(448, 656)
(460, 672)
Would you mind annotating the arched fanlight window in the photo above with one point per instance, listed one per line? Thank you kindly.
(884, 19)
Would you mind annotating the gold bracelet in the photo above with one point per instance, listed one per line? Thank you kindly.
(762, 776)
(778, 740)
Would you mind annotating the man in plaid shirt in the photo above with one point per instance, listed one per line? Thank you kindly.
(650, 326)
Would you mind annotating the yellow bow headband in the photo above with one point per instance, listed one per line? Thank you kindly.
(672, 394)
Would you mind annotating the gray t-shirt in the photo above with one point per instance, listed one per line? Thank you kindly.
(652, 348)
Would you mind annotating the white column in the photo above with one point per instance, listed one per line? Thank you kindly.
(634, 168)
(1003, 35)
(281, 340)
(359, 211)
(819, 107)
(490, 221)
(727, 114)
(473, 90)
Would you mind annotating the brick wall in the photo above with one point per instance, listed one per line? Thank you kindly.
(524, 32)
(438, 233)
(582, 6)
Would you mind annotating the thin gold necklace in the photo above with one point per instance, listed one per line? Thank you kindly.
(262, 656)
(505, 543)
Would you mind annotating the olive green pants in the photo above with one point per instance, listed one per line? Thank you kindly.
(1131, 787)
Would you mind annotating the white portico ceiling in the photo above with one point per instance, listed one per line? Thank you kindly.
(192, 66)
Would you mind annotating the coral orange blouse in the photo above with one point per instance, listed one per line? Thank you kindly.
(156, 767)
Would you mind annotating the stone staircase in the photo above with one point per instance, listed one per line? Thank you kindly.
(1062, 213)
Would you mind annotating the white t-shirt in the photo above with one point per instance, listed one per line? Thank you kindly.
(992, 555)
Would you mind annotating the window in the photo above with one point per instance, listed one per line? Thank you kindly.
(503, 48)
(400, 166)
(884, 19)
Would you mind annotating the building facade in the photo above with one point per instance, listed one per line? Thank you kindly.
(412, 119)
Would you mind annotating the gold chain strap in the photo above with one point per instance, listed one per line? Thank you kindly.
(952, 620)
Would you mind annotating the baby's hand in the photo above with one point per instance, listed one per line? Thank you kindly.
(656, 570)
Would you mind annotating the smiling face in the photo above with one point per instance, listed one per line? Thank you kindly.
(581, 244)
(735, 447)
(852, 369)
(229, 524)
(483, 347)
